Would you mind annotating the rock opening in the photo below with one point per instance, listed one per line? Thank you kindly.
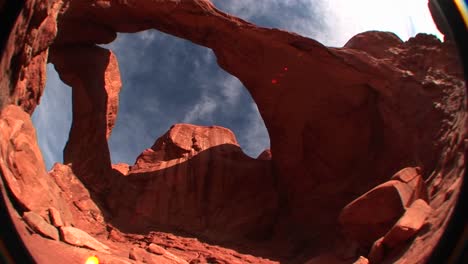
(368, 135)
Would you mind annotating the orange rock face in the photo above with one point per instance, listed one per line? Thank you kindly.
(94, 76)
(22, 166)
(198, 179)
(341, 122)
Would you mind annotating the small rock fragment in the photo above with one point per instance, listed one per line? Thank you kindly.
(371, 215)
(115, 235)
(137, 254)
(39, 225)
(361, 260)
(173, 258)
(412, 177)
(80, 238)
(55, 217)
(155, 249)
(407, 174)
(455, 186)
(144, 256)
(409, 224)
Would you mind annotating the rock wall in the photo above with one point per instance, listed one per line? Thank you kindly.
(341, 121)
(24, 58)
(93, 72)
(196, 179)
(331, 112)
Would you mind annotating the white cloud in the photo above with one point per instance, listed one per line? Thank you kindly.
(231, 89)
(334, 22)
(202, 110)
(207, 57)
(147, 36)
(348, 18)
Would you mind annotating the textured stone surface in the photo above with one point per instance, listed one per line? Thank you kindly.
(361, 260)
(408, 225)
(95, 80)
(22, 165)
(55, 217)
(372, 101)
(412, 177)
(38, 224)
(23, 62)
(155, 249)
(335, 134)
(377, 251)
(378, 75)
(80, 238)
(191, 179)
(141, 255)
(376, 43)
(371, 215)
(183, 141)
(86, 214)
(137, 254)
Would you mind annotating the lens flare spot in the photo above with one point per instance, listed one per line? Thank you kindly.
(92, 260)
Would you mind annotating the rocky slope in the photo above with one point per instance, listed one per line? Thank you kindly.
(341, 121)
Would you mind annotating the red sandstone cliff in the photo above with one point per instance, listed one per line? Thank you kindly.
(341, 121)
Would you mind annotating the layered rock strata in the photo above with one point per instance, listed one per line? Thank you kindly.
(340, 120)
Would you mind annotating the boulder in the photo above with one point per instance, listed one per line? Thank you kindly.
(361, 260)
(155, 249)
(408, 225)
(22, 165)
(144, 256)
(138, 254)
(80, 238)
(55, 217)
(39, 225)
(412, 176)
(371, 215)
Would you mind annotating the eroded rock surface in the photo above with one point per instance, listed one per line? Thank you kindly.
(367, 117)
(408, 225)
(196, 178)
(340, 120)
(38, 224)
(374, 213)
(80, 238)
(22, 167)
(94, 76)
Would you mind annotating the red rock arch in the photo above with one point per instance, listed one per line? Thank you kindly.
(341, 120)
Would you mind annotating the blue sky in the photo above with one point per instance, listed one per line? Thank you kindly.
(167, 80)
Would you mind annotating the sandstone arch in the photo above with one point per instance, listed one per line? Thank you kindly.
(341, 120)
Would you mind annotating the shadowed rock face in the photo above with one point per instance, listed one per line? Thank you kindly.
(341, 122)
(196, 179)
(93, 73)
